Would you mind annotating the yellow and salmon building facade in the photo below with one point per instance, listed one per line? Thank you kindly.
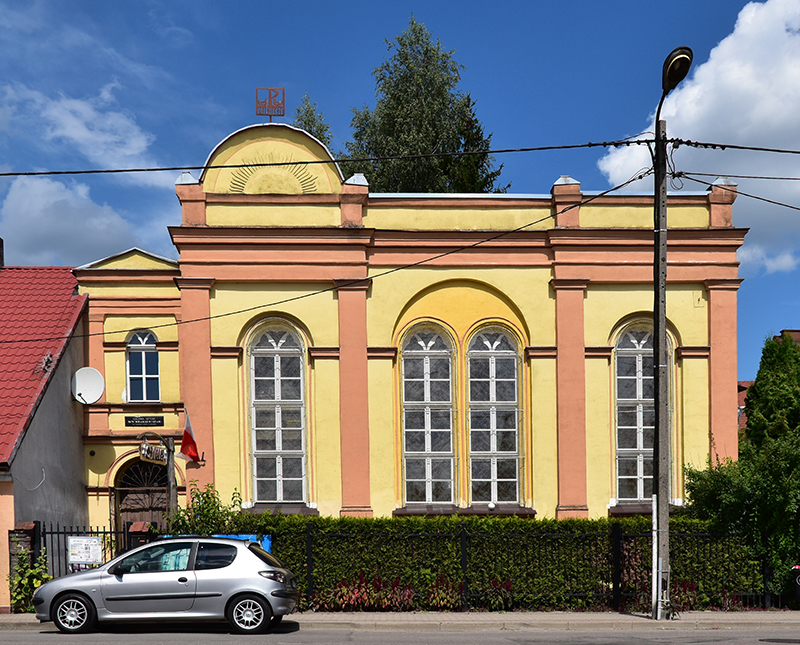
(343, 352)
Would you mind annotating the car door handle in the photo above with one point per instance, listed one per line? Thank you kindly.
(183, 580)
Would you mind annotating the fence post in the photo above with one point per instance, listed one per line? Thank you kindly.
(309, 561)
(616, 554)
(464, 581)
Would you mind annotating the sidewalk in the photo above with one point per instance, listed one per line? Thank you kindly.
(495, 621)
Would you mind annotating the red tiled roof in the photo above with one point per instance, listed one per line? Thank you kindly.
(38, 305)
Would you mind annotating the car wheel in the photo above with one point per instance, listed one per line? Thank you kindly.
(74, 614)
(249, 614)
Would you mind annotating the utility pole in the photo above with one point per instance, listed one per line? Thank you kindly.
(675, 69)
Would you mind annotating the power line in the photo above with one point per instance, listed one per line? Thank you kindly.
(717, 174)
(730, 146)
(637, 177)
(736, 190)
(109, 171)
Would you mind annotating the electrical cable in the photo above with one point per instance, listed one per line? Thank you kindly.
(628, 141)
(737, 191)
(640, 175)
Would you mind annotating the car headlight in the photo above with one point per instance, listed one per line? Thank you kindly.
(277, 576)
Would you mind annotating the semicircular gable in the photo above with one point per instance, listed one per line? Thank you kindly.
(461, 304)
(271, 158)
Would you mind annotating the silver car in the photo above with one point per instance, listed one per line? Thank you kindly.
(183, 578)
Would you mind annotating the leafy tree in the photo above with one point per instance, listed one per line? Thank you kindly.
(308, 118)
(773, 400)
(419, 111)
(759, 495)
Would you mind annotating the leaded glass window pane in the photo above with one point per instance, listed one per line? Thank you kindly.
(142, 368)
(427, 417)
(493, 389)
(278, 416)
(635, 414)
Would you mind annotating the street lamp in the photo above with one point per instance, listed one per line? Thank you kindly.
(676, 67)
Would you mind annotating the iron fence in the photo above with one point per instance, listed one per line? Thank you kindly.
(55, 540)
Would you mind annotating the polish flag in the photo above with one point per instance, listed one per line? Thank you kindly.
(188, 443)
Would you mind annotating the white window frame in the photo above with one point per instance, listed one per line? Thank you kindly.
(142, 343)
(278, 405)
(493, 406)
(432, 459)
(640, 405)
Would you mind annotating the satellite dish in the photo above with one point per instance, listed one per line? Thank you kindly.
(87, 385)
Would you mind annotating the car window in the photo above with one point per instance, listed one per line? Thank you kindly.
(265, 556)
(214, 556)
(162, 557)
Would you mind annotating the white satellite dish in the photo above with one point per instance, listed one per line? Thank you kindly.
(88, 385)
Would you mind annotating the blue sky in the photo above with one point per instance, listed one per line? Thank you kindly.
(92, 84)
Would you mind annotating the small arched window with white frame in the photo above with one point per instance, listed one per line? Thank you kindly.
(144, 383)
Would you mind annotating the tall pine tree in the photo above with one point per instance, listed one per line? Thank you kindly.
(420, 112)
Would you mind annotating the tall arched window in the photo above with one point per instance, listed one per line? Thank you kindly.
(428, 417)
(494, 417)
(142, 367)
(278, 416)
(635, 414)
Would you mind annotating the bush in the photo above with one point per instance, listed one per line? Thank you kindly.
(24, 577)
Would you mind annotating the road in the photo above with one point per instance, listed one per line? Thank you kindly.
(291, 633)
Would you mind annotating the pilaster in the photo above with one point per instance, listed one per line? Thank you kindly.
(353, 397)
(194, 336)
(722, 369)
(571, 398)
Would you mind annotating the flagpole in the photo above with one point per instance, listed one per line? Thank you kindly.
(172, 484)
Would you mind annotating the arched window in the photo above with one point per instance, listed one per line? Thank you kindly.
(635, 414)
(428, 417)
(494, 417)
(142, 367)
(278, 416)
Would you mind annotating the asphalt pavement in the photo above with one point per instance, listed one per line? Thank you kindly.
(494, 621)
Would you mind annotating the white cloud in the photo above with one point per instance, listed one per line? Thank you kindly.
(746, 93)
(105, 136)
(45, 222)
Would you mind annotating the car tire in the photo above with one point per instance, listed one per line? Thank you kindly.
(74, 614)
(249, 614)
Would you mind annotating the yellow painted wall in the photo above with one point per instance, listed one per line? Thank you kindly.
(383, 461)
(318, 314)
(280, 215)
(605, 306)
(543, 411)
(492, 218)
(270, 145)
(133, 290)
(600, 466)
(231, 443)
(325, 448)
(614, 216)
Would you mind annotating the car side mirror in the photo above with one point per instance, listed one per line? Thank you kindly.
(116, 570)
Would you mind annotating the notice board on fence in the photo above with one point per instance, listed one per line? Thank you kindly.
(85, 549)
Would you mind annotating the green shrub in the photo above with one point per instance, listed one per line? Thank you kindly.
(25, 576)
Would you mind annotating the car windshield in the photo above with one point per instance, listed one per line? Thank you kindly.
(265, 556)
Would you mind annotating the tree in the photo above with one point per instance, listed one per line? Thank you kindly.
(419, 111)
(759, 495)
(308, 118)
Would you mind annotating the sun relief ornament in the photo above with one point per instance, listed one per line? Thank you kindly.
(286, 177)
